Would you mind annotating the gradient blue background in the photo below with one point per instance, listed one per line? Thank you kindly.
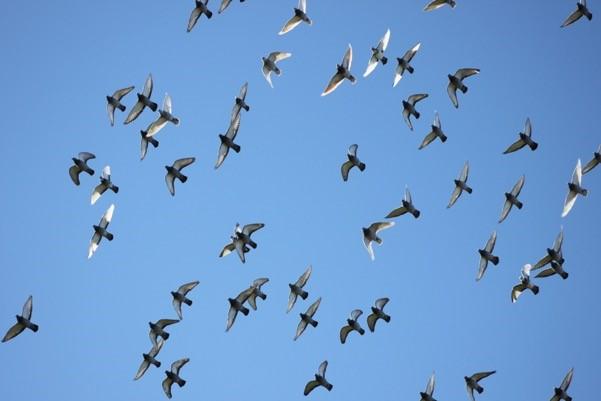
(61, 58)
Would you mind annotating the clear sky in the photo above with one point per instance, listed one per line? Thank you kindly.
(60, 60)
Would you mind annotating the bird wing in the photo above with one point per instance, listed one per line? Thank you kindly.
(567, 380)
(143, 148)
(194, 18)
(381, 303)
(110, 109)
(106, 172)
(134, 112)
(28, 308)
(119, 93)
(107, 216)
(356, 314)
(577, 174)
(223, 152)
(302, 325)
(167, 382)
(333, 84)
(85, 156)
(482, 268)
(345, 168)
(517, 291)
(74, 174)
(186, 288)
(428, 139)
(482, 375)
(98, 191)
(229, 248)
(243, 90)
(517, 188)
(454, 196)
(93, 244)
(179, 164)
(413, 99)
(170, 181)
(575, 16)
(435, 4)
(313, 308)
(397, 212)
(177, 365)
(590, 165)
(258, 283)
(252, 300)
(409, 54)
(224, 5)
(558, 241)
(407, 118)
(452, 91)
(291, 301)
(470, 392)
(466, 72)
(379, 226)
(321, 371)
(371, 65)
(542, 262)
(166, 322)
(244, 295)
(302, 280)
(506, 209)
(239, 246)
(465, 172)
(490, 244)
(367, 244)
(15, 330)
(398, 75)
(430, 386)
(302, 5)
(383, 44)
(517, 145)
(310, 386)
(545, 273)
(278, 56)
(148, 86)
(142, 369)
(177, 305)
(167, 103)
(371, 321)
(290, 24)
(248, 229)
(155, 126)
(528, 128)
(232, 130)
(347, 60)
(569, 202)
(231, 317)
(267, 74)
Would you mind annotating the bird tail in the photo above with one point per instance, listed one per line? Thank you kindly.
(115, 189)
(153, 106)
(361, 166)
(153, 142)
(535, 289)
(495, 260)
(417, 114)
(156, 363)
(181, 382)
(416, 213)
(209, 14)
(244, 311)
(304, 294)
(109, 236)
(410, 69)
(361, 331)
(121, 107)
(89, 171)
(384, 60)
(564, 275)
(386, 318)
(314, 323)
(183, 178)
(568, 398)
(33, 327)
(188, 301)
(236, 148)
(175, 120)
(329, 386)
(533, 146)
(479, 389)
(443, 137)
(518, 204)
(584, 192)
(246, 107)
(468, 190)
(463, 88)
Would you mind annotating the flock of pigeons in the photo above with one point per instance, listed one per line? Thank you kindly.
(241, 240)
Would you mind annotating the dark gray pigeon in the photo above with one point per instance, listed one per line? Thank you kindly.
(143, 101)
(409, 107)
(471, 382)
(435, 133)
(594, 161)
(556, 268)
(23, 321)
(574, 189)
(486, 255)
(237, 305)
(320, 379)
(343, 71)
(300, 15)
(173, 376)
(257, 292)
(179, 296)
(435, 4)
(105, 183)
(269, 64)
(165, 117)
(554, 253)
(377, 312)
(236, 244)
(511, 198)
(307, 318)
(581, 10)
(114, 102)
(240, 240)
(150, 358)
(296, 289)
(370, 234)
(406, 207)
(456, 82)
(174, 171)
(561, 392)
(428, 394)
(144, 144)
(525, 139)
(460, 185)
(227, 141)
(240, 102)
(158, 329)
(377, 54)
(351, 325)
(525, 284)
(353, 161)
(403, 64)
(81, 164)
(199, 10)
(101, 231)
(244, 233)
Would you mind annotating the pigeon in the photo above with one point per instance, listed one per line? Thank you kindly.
(594, 161)
(269, 64)
(150, 359)
(227, 141)
(581, 10)
(406, 207)
(320, 379)
(165, 117)
(300, 15)
(173, 376)
(377, 313)
(433, 5)
(236, 244)
(158, 329)
(351, 324)
(524, 284)
(343, 71)
(101, 231)
(225, 4)
(237, 305)
(409, 108)
(174, 171)
(143, 101)
(403, 64)
(525, 139)
(256, 292)
(427, 395)
(561, 392)
(23, 322)
(296, 289)
(511, 198)
(81, 164)
(377, 54)
(240, 102)
(554, 253)
(113, 102)
(199, 10)
(307, 318)
(486, 255)
(371, 234)
(556, 268)
(472, 382)
(435, 133)
(353, 161)
(144, 144)
(179, 296)
(245, 232)
(460, 185)
(105, 183)
(456, 82)
(575, 189)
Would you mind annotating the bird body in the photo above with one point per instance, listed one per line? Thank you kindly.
(456, 82)
(460, 185)
(377, 313)
(377, 54)
(300, 15)
(486, 255)
(343, 71)
(296, 289)
(80, 165)
(174, 171)
(173, 376)
(409, 107)
(199, 9)
(353, 161)
(114, 102)
(143, 101)
(269, 64)
(320, 380)
(23, 321)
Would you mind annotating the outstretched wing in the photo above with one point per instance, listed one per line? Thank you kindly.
(181, 163)
(452, 91)
(517, 188)
(334, 83)
(28, 308)
(466, 72)
(517, 145)
(290, 25)
(347, 60)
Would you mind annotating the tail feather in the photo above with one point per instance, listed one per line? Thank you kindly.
(361, 331)
(153, 106)
(165, 335)
(463, 88)
(89, 171)
(304, 294)
(410, 69)
(34, 327)
(244, 311)
(183, 178)
(417, 114)
(329, 386)
(468, 190)
(153, 142)
(188, 301)
(535, 289)
(236, 148)
(209, 14)
(175, 120)
(386, 318)
(361, 166)
(479, 389)
(564, 275)
(519, 204)
(314, 323)
(443, 138)
(584, 192)
(495, 260)
(109, 236)
(416, 213)
(246, 107)
(181, 382)
(384, 60)
(115, 189)
(121, 107)
(533, 146)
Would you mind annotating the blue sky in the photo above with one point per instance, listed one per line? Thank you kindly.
(60, 61)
